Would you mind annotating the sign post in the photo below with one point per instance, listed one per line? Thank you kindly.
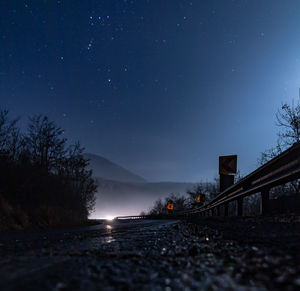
(227, 166)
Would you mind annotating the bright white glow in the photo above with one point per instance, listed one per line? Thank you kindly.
(109, 217)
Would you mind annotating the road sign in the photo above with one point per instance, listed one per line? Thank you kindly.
(227, 164)
(170, 206)
(198, 198)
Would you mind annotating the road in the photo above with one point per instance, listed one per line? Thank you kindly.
(209, 254)
(46, 259)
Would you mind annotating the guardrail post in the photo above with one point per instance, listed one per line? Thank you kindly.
(218, 210)
(240, 206)
(264, 202)
(226, 209)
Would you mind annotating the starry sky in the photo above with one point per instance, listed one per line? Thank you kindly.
(162, 87)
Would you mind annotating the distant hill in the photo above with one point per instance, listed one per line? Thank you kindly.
(106, 169)
(121, 192)
(116, 198)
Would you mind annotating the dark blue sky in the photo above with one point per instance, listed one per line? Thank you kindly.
(160, 87)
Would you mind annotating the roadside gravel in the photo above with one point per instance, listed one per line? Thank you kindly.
(208, 254)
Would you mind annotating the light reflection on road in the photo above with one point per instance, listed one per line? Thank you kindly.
(108, 239)
(111, 229)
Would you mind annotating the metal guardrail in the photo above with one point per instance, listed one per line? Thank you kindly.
(131, 217)
(158, 216)
(278, 171)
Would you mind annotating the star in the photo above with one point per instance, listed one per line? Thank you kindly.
(90, 45)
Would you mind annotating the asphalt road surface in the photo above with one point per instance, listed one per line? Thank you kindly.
(210, 254)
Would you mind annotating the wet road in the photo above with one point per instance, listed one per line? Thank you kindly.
(35, 238)
(209, 254)
(27, 258)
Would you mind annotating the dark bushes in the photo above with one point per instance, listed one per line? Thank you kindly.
(43, 181)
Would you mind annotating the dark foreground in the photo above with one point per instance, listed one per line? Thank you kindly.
(213, 254)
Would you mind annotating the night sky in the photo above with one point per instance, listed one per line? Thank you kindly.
(160, 87)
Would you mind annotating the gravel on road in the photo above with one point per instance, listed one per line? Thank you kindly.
(206, 254)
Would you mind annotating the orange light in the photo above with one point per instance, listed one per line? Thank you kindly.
(170, 206)
(199, 198)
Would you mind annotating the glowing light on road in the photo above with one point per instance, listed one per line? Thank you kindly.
(109, 217)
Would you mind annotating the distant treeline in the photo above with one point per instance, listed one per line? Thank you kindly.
(43, 180)
(206, 190)
(288, 122)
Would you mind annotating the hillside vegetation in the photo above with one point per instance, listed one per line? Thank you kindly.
(43, 182)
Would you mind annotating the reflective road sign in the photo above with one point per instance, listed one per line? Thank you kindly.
(170, 206)
(227, 164)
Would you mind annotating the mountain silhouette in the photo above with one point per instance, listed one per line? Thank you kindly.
(121, 192)
(108, 170)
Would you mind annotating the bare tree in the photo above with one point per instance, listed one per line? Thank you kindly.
(40, 176)
(158, 208)
(288, 121)
(10, 136)
(207, 190)
(45, 142)
(178, 200)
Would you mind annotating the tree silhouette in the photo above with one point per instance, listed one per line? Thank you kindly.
(288, 122)
(45, 142)
(42, 181)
